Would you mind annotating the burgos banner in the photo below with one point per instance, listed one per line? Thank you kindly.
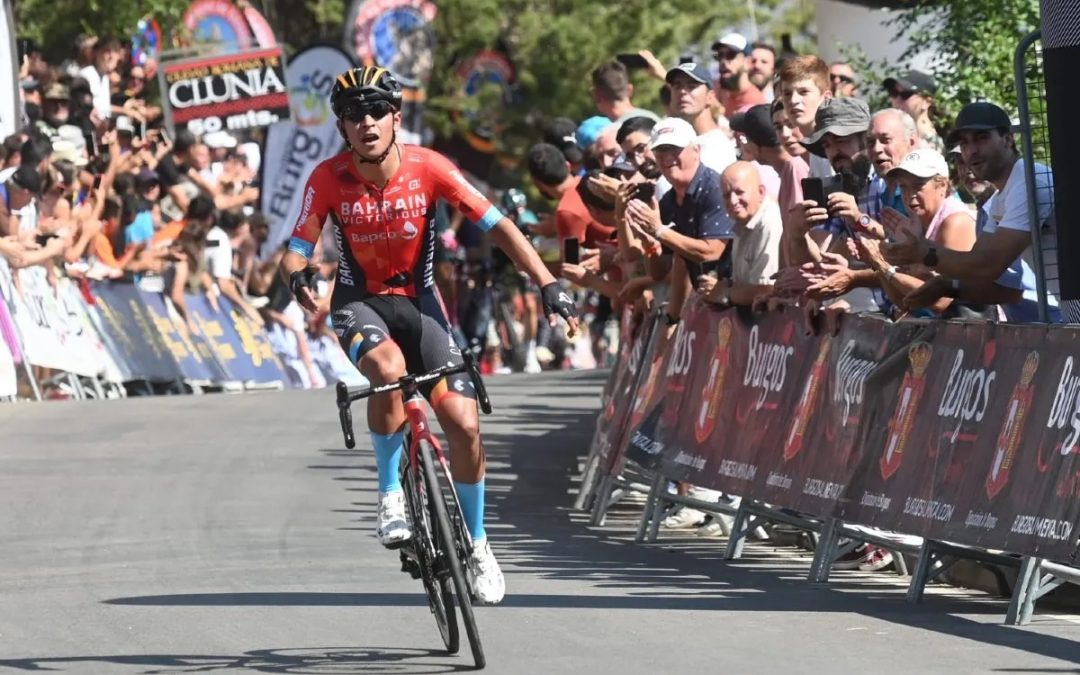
(230, 92)
(293, 148)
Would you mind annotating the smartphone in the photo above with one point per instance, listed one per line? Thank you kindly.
(213, 243)
(43, 239)
(632, 61)
(817, 190)
(571, 251)
(97, 181)
(645, 192)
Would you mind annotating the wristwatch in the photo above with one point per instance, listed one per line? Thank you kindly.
(931, 259)
(890, 272)
(725, 297)
(864, 221)
(670, 320)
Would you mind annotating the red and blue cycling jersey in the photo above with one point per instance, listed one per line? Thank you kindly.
(385, 235)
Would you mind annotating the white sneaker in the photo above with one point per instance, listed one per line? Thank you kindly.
(683, 519)
(391, 528)
(488, 582)
(532, 366)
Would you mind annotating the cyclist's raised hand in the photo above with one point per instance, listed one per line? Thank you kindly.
(557, 302)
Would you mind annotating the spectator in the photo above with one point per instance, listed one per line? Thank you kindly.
(692, 101)
(218, 263)
(691, 222)
(551, 175)
(596, 139)
(923, 176)
(984, 135)
(792, 168)
(612, 93)
(734, 90)
(20, 186)
(107, 55)
(914, 94)
(55, 110)
(804, 86)
(755, 249)
(633, 137)
(757, 137)
(173, 169)
(562, 133)
(763, 69)
(843, 79)
(12, 151)
(186, 242)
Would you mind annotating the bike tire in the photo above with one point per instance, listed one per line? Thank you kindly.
(515, 346)
(448, 547)
(424, 546)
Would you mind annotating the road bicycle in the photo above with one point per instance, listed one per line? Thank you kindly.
(440, 543)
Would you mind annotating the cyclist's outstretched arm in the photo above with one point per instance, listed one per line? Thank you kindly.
(295, 266)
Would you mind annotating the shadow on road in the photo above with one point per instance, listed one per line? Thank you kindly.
(288, 660)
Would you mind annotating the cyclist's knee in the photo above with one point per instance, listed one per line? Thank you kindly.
(383, 364)
(462, 421)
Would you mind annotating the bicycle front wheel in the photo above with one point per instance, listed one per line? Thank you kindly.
(447, 550)
(424, 548)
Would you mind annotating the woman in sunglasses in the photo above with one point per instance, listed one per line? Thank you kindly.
(914, 94)
(380, 197)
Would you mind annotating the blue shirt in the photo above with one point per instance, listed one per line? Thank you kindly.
(140, 230)
(701, 215)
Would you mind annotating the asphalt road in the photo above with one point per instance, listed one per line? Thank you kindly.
(232, 533)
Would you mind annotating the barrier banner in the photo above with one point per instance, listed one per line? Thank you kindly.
(192, 354)
(962, 432)
(47, 336)
(642, 443)
(239, 345)
(614, 404)
(128, 323)
(8, 385)
(81, 335)
(126, 369)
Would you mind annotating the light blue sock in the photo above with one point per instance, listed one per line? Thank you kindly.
(388, 449)
(471, 496)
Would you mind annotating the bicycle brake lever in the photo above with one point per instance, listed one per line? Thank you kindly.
(345, 415)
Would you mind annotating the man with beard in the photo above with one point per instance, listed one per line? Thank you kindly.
(734, 89)
(633, 137)
(763, 69)
(988, 150)
(55, 109)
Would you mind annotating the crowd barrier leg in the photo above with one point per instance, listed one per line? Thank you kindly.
(1022, 604)
(601, 500)
(742, 527)
(588, 480)
(34, 387)
(824, 553)
(649, 513)
(76, 386)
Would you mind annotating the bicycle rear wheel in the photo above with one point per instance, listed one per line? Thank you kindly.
(435, 578)
(447, 547)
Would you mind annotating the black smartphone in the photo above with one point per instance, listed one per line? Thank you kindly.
(43, 239)
(645, 192)
(632, 61)
(817, 190)
(97, 181)
(213, 243)
(571, 251)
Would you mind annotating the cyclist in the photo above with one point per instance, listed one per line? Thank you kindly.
(512, 282)
(380, 197)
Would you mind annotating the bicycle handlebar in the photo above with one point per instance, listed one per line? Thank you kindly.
(346, 397)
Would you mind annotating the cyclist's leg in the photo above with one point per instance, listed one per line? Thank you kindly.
(362, 330)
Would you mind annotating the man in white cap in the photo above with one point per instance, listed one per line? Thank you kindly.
(734, 89)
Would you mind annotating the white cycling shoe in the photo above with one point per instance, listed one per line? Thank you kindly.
(391, 528)
(488, 582)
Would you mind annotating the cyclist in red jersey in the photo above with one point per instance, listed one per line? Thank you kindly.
(379, 196)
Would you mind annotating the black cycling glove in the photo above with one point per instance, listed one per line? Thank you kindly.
(304, 278)
(557, 301)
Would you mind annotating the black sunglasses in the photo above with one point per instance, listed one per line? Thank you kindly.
(726, 54)
(905, 95)
(843, 78)
(356, 112)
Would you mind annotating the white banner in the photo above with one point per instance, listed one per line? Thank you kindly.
(9, 72)
(50, 333)
(7, 370)
(292, 149)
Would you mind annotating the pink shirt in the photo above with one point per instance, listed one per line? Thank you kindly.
(951, 206)
(791, 175)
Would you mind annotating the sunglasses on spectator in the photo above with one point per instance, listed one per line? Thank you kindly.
(356, 112)
(726, 54)
(905, 95)
(842, 78)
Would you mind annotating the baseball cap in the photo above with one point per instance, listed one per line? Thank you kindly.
(590, 130)
(756, 124)
(147, 177)
(219, 139)
(979, 116)
(914, 82)
(57, 91)
(30, 84)
(562, 133)
(65, 151)
(735, 41)
(696, 71)
(923, 163)
(70, 132)
(672, 131)
(841, 116)
(124, 124)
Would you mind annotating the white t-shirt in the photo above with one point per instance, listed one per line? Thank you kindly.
(218, 258)
(1008, 209)
(99, 87)
(717, 150)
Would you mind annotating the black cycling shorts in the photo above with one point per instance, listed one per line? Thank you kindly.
(419, 328)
